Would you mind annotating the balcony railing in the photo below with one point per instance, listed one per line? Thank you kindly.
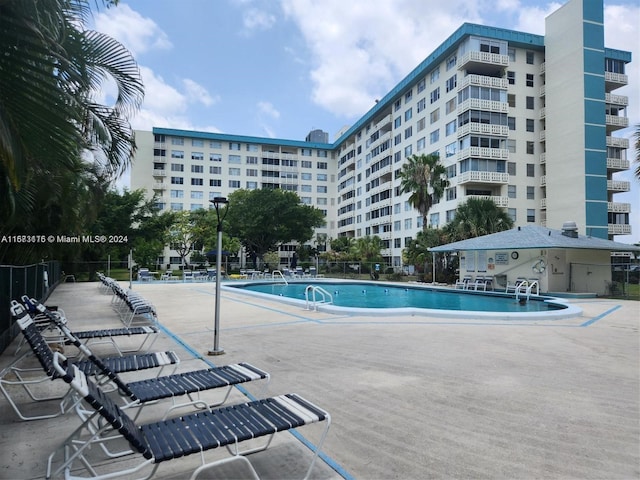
(543, 181)
(619, 229)
(543, 135)
(483, 81)
(159, 173)
(483, 57)
(616, 207)
(499, 201)
(482, 152)
(543, 113)
(616, 99)
(479, 104)
(483, 177)
(617, 142)
(543, 68)
(483, 129)
(384, 121)
(159, 186)
(618, 186)
(543, 203)
(543, 90)
(619, 78)
(618, 164)
(620, 122)
(543, 158)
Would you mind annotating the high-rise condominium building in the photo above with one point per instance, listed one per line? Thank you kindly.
(525, 120)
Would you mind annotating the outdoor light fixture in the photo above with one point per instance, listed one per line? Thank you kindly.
(218, 202)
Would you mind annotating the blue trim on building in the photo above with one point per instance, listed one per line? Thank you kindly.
(596, 190)
(593, 10)
(595, 163)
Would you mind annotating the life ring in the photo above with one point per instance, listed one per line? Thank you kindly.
(540, 266)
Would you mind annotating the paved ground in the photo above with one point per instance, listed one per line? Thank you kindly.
(410, 397)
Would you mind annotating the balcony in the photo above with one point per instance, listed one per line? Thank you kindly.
(483, 129)
(159, 173)
(619, 229)
(622, 100)
(383, 122)
(543, 90)
(483, 177)
(614, 80)
(543, 158)
(543, 181)
(614, 122)
(499, 201)
(483, 62)
(618, 164)
(543, 113)
(616, 207)
(483, 81)
(617, 142)
(543, 68)
(159, 186)
(543, 135)
(618, 186)
(478, 104)
(481, 152)
(543, 204)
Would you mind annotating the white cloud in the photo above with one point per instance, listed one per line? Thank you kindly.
(254, 19)
(196, 93)
(139, 34)
(267, 108)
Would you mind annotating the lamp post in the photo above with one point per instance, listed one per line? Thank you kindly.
(218, 202)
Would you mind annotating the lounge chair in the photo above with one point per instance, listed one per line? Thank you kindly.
(464, 283)
(27, 378)
(519, 285)
(172, 438)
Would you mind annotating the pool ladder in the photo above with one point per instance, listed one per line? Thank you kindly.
(526, 287)
(324, 297)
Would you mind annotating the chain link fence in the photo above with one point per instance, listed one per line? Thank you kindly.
(37, 281)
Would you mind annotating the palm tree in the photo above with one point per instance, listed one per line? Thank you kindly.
(477, 217)
(52, 132)
(425, 178)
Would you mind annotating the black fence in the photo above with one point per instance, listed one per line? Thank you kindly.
(37, 281)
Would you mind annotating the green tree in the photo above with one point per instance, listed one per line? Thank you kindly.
(477, 217)
(424, 177)
(263, 219)
(187, 232)
(367, 249)
(50, 69)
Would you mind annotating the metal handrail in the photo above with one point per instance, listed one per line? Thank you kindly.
(315, 289)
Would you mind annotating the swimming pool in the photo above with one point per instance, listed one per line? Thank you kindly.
(377, 298)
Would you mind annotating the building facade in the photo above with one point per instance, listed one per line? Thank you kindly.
(526, 120)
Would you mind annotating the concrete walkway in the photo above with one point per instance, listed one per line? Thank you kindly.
(410, 397)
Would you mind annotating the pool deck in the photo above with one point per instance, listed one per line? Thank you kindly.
(410, 396)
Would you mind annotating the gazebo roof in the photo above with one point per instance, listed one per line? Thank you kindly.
(532, 236)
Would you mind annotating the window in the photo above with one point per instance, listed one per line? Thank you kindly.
(305, 176)
(321, 189)
(177, 167)
(234, 172)
(321, 177)
(451, 193)
(434, 116)
(321, 153)
(234, 183)
(512, 54)
(215, 144)
(397, 139)
(421, 124)
(435, 75)
(197, 169)
(529, 80)
(252, 172)
(306, 152)
(511, 99)
(397, 105)
(306, 188)
(397, 242)
(511, 168)
(408, 114)
(531, 193)
(177, 154)
(420, 144)
(235, 158)
(176, 207)
(530, 58)
(197, 156)
(422, 103)
(252, 185)
(159, 138)
(306, 200)
(530, 148)
(197, 194)
(511, 121)
(321, 201)
(197, 181)
(251, 147)
(251, 160)
(434, 136)
(511, 77)
(177, 193)
(435, 95)
(407, 96)
(450, 150)
(451, 83)
(215, 157)
(177, 141)
(511, 145)
(434, 220)
(306, 164)
(215, 170)
(531, 215)
(530, 170)
(216, 182)
(196, 206)
(451, 62)
(234, 146)
(322, 165)
(407, 223)
(197, 143)
(397, 122)
(408, 132)
(177, 180)
(530, 103)
(450, 106)
(159, 152)
(450, 128)
(408, 151)
(530, 125)
(422, 84)
(511, 191)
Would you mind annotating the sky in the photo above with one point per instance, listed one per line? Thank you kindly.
(281, 68)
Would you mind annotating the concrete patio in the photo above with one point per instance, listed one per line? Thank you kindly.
(410, 397)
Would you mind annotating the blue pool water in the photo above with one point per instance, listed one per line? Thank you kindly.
(372, 295)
